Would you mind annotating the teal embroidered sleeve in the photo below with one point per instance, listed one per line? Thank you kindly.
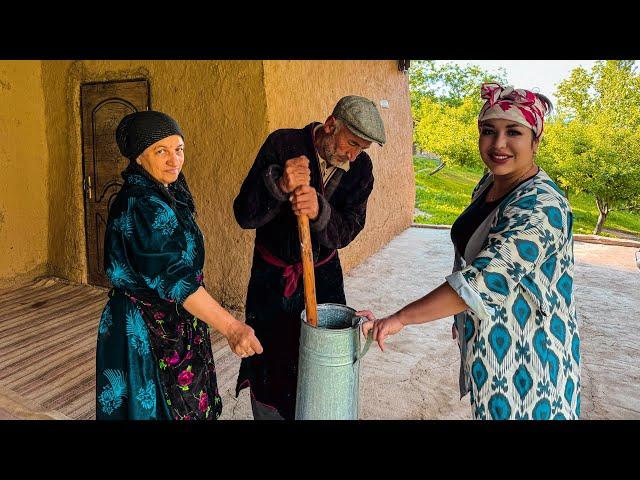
(161, 250)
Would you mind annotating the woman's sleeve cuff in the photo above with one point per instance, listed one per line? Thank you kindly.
(457, 281)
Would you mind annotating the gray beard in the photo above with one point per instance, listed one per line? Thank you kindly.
(330, 160)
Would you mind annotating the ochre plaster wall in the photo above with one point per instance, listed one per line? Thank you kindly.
(226, 109)
(299, 92)
(23, 177)
(220, 105)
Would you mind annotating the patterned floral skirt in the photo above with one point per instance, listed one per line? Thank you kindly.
(154, 361)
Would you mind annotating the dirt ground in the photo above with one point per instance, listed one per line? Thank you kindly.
(416, 378)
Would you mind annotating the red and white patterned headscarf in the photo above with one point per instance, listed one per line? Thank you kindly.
(516, 104)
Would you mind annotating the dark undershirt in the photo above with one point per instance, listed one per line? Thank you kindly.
(476, 213)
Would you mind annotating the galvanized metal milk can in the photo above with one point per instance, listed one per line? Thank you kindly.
(329, 365)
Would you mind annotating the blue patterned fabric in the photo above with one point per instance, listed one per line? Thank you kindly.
(154, 359)
(520, 343)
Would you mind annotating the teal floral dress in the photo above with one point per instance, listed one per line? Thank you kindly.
(154, 359)
(519, 341)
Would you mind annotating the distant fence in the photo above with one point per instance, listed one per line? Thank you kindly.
(430, 156)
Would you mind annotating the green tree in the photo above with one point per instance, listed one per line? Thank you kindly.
(611, 87)
(451, 132)
(593, 144)
(448, 83)
(445, 100)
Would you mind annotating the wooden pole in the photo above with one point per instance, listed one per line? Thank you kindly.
(308, 273)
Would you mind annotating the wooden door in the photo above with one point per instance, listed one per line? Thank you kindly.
(103, 105)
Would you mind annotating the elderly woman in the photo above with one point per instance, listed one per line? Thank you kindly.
(154, 357)
(511, 289)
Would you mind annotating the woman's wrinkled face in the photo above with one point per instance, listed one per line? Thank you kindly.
(163, 160)
(506, 147)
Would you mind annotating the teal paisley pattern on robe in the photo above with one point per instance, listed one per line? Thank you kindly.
(521, 351)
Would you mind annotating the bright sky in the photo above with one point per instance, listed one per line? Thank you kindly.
(540, 76)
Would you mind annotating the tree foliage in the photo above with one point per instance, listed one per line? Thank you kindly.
(445, 100)
(593, 144)
(448, 83)
(451, 132)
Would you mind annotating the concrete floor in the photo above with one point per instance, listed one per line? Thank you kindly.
(416, 378)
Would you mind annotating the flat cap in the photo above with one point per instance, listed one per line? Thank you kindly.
(361, 117)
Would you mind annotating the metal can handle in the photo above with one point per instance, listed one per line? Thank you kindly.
(368, 341)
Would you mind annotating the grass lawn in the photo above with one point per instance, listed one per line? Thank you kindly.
(440, 198)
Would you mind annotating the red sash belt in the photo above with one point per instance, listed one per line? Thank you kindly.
(291, 272)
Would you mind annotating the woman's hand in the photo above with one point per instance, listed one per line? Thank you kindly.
(241, 337)
(382, 328)
(242, 340)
